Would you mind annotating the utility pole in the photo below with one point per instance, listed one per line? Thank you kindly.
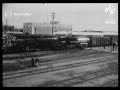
(6, 22)
(71, 30)
(53, 16)
(6, 29)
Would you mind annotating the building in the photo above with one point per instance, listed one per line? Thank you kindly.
(45, 28)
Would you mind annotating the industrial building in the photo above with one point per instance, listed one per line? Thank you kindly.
(46, 28)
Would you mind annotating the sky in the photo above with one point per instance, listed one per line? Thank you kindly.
(81, 16)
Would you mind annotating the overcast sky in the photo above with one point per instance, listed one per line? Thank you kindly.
(80, 15)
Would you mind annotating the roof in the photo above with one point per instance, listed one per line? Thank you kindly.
(94, 33)
(87, 33)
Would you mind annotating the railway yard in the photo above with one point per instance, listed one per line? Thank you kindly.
(79, 48)
(96, 67)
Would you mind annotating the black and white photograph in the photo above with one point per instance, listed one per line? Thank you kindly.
(60, 44)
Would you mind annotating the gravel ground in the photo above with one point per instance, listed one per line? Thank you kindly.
(106, 81)
(37, 80)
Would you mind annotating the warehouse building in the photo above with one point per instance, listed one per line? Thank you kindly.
(45, 28)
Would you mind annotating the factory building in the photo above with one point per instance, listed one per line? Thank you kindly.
(45, 28)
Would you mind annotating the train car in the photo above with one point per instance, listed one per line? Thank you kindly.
(100, 41)
(113, 39)
(97, 41)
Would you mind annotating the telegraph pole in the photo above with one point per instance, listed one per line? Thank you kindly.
(6, 22)
(53, 16)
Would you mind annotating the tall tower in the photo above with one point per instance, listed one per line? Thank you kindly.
(53, 16)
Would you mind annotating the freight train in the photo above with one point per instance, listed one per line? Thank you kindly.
(23, 42)
(52, 42)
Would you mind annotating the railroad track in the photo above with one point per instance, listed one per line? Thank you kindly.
(66, 56)
(58, 61)
(52, 53)
(37, 54)
(112, 83)
(79, 79)
(53, 56)
(55, 68)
